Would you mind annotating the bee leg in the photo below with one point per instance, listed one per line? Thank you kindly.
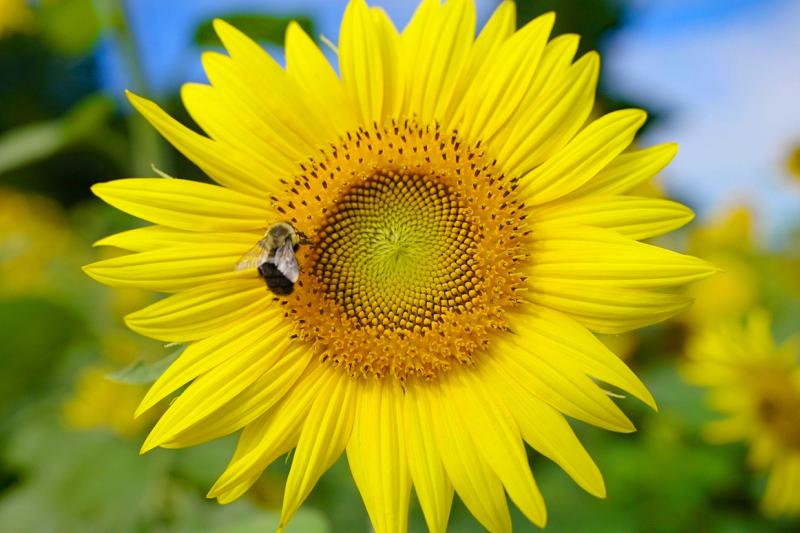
(304, 239)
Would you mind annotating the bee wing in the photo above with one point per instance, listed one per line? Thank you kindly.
(254, 258)
(286, 262)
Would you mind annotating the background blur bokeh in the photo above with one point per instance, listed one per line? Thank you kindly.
(720, 77)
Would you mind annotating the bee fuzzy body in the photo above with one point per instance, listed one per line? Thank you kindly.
(276, 282)
(274, 258)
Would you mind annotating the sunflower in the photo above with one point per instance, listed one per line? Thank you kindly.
(726, 240)
(793, 162)
(757, 385)
(34, 238)
(466, 232)
(15, 15)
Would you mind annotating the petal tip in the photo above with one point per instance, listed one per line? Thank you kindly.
(97, 188)
(135, 99)
(91, 270)
(548, 18)
(148, 445)
(221, 26)
(144, 406)
(638, 116)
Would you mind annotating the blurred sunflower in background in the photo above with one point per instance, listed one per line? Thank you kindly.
(34, 236)
(756, 384)
(728, 241)
(464, 231)
(15, 15)
(793, 162)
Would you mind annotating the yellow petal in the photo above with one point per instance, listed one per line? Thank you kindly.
(251, 403)
(728, 430)
(504, 80)
(562, 340)
(500, 26)
(201, 357)
(271, 435)
(234, 124)
(473, 479)
(629, 170)
(633, 217)
(436, 47)
(496, 435)
(377, 456)
(781, 495)
(257, 82)
(326, 430)
(171, 269)
(155, 237)
(368, 61)
(547, 123)
(546, 430)
(758, 332)
(583, 157)
(200, 312)
(565, 389)
(433, 487)
(552, 70)
(582, 254)
(210, 392)
(308, 66)
(226, 165)
(605, 309)
(184, 204)
(232, 90)
(394, 75)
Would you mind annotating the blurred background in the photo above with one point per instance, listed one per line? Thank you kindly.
(720, 77)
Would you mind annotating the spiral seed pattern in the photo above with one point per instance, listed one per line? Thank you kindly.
(416, 253)
(398, 251)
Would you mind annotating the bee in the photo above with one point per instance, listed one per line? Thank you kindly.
(274, 257)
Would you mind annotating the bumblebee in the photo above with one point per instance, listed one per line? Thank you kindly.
(274, 257)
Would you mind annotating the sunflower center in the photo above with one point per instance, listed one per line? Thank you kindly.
(397, 252)
(778, 409)
(415, 251)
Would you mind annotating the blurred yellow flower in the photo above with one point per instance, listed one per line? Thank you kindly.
(34, 240)
(101, 403)
(793, 162)
(756, 384)
(15, 15)
(728, 243)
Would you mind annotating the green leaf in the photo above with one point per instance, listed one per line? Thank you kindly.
(36, 332)
(263, 28)
(70, 27)
(143, 372)
(39, 140)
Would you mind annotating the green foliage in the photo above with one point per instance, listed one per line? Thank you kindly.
(93, 481)
(591, 19)
(40, 140)
(35, 331)
(59, 20)
(268, 29)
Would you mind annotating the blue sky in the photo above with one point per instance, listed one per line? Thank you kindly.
(728, 76)
(726, 71)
